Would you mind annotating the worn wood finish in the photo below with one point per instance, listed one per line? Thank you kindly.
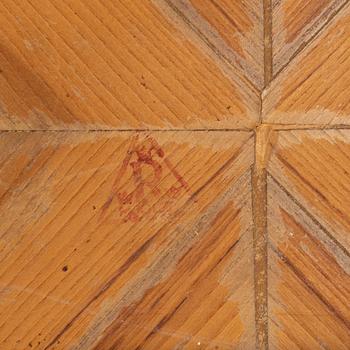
(110, 227)
(295, 23)
(234, 28)
(103, 65)
(314, 167)
(174, 174)
(309, 281)
(314, 88)
(308, 228)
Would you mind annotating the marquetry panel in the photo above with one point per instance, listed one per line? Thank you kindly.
(294, 25)
(309, 281)
(308, 230)
(174, 174)
(234, 28)
(126, 240)
(125, 64)
(314, 166)
(314, 87)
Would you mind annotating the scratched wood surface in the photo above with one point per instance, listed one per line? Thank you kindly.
(111, 227)
(313, 89)
(233, 27)
(295, 23)
(309, 282)
(124, 64)
(308, 228)
(174, 174)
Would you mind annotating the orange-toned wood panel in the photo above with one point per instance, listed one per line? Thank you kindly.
(234, 28)
(314, 88)
(314, 167)
(103, 65)
(126, 240)
(295, 22)
(309, 279)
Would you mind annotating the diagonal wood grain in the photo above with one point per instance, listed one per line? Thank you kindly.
(106, 65)
(233, 28)
(295, 23)
(203, 301)
(309, 279)
(314, 167)
(125, 238)
(314, 88)
(116, 238)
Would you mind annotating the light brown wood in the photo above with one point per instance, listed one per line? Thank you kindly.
(174, 174)
(294, 25)
(259, 201)
(81, 267)
(233, 28)
(314, 88)
(103, 65)
(314, 167)
(308, 228)
(308, 279)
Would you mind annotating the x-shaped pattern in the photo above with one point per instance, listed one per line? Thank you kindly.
(174, 174)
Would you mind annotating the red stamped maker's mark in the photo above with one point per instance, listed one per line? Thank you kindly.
(147, 165)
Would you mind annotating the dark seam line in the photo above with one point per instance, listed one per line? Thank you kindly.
(261, 307)
(158, 326)
(306, 78)
(122, 269)
(295, 127)
(308, 284)
(221, 169)
(307, 44)
(308, 214)
(212, 46)
(200, 278)
(283, 330)
(313, 240)
(293, 316)
(313, 188)
(275, 127)
(268, 47)
(122, 130)
(193, 285)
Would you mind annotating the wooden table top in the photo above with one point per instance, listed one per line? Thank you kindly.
(174, 174)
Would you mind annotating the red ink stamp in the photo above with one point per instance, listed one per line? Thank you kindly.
(146, 172)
